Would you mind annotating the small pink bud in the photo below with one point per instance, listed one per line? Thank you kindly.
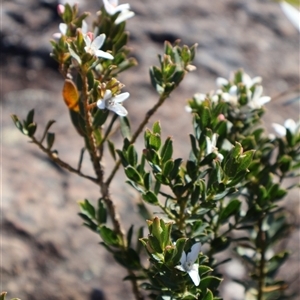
(90, 35)
(60, 9)
(221, 117)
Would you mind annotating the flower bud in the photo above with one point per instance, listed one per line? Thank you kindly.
(60, 9)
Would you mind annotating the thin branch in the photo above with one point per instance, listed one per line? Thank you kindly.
(61, 163)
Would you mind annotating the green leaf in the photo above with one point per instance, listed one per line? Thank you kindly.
(100, 117)
(133, 174)
(195, 195)
(203, 269)
(132, 155)
(180, 244)
(30, 117)
(167, 150)
(205, 118)
(150, 198)
(194, 145)
(155, 141)
(231, 209)
(129, 236)
(50, 140)
(147, 181)
(210, 282)
(167, 168)
(101, 212)
(275, 263)
(109, 236)
(129, 259)
(175, 171)
(125, 128)
(87, 208)
(245, 160)
(17, 122)
(208, 296)
(156, 128)
(191, 169)
(112, 150)
(68, 14)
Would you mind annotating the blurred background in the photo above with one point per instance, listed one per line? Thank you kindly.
(46, 252)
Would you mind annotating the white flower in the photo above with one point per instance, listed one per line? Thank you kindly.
(112, 7)
(211, 147)
(292, 14)
(256, 101)
(187, 263)
(92, 47)
(231, 96)
(289, 124)
(249, 82)
(113, 103)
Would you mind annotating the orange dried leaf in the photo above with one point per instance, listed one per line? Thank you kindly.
(70, 95)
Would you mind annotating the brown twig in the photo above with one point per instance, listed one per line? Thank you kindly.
(61, 163)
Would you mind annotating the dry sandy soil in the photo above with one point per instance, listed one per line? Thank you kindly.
(46, 253)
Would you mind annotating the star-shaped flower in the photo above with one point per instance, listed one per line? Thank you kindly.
(256, 101)
(289, 124)
(113, 103)
(112, 7)
(187, 263)
(93, 47)
(211, 147)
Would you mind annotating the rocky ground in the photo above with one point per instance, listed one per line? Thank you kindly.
(46, 252)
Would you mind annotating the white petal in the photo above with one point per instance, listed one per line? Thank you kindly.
(281, 130)
(290, 124)
(214, 141)
(209, 146)
(57, 35)
(233, 90)
(63, 28)
(193, 255)
(121, 97)
(98, 41)
(103, 54)
(199, 97)
(74, 55)
(107, 95)
(110, 8)
(247, 80)
(220, 157)
(226, 97)
(257, 92)
(256, 80)
(183, 258)
(101, 104)
(123, 16)
(122, 7)
(264, 100)
(194, 274)
(87, 41)
(180, 268)
(292, 14)
(118, 109)
(84, 27)
(220, 81)
(188, 109)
